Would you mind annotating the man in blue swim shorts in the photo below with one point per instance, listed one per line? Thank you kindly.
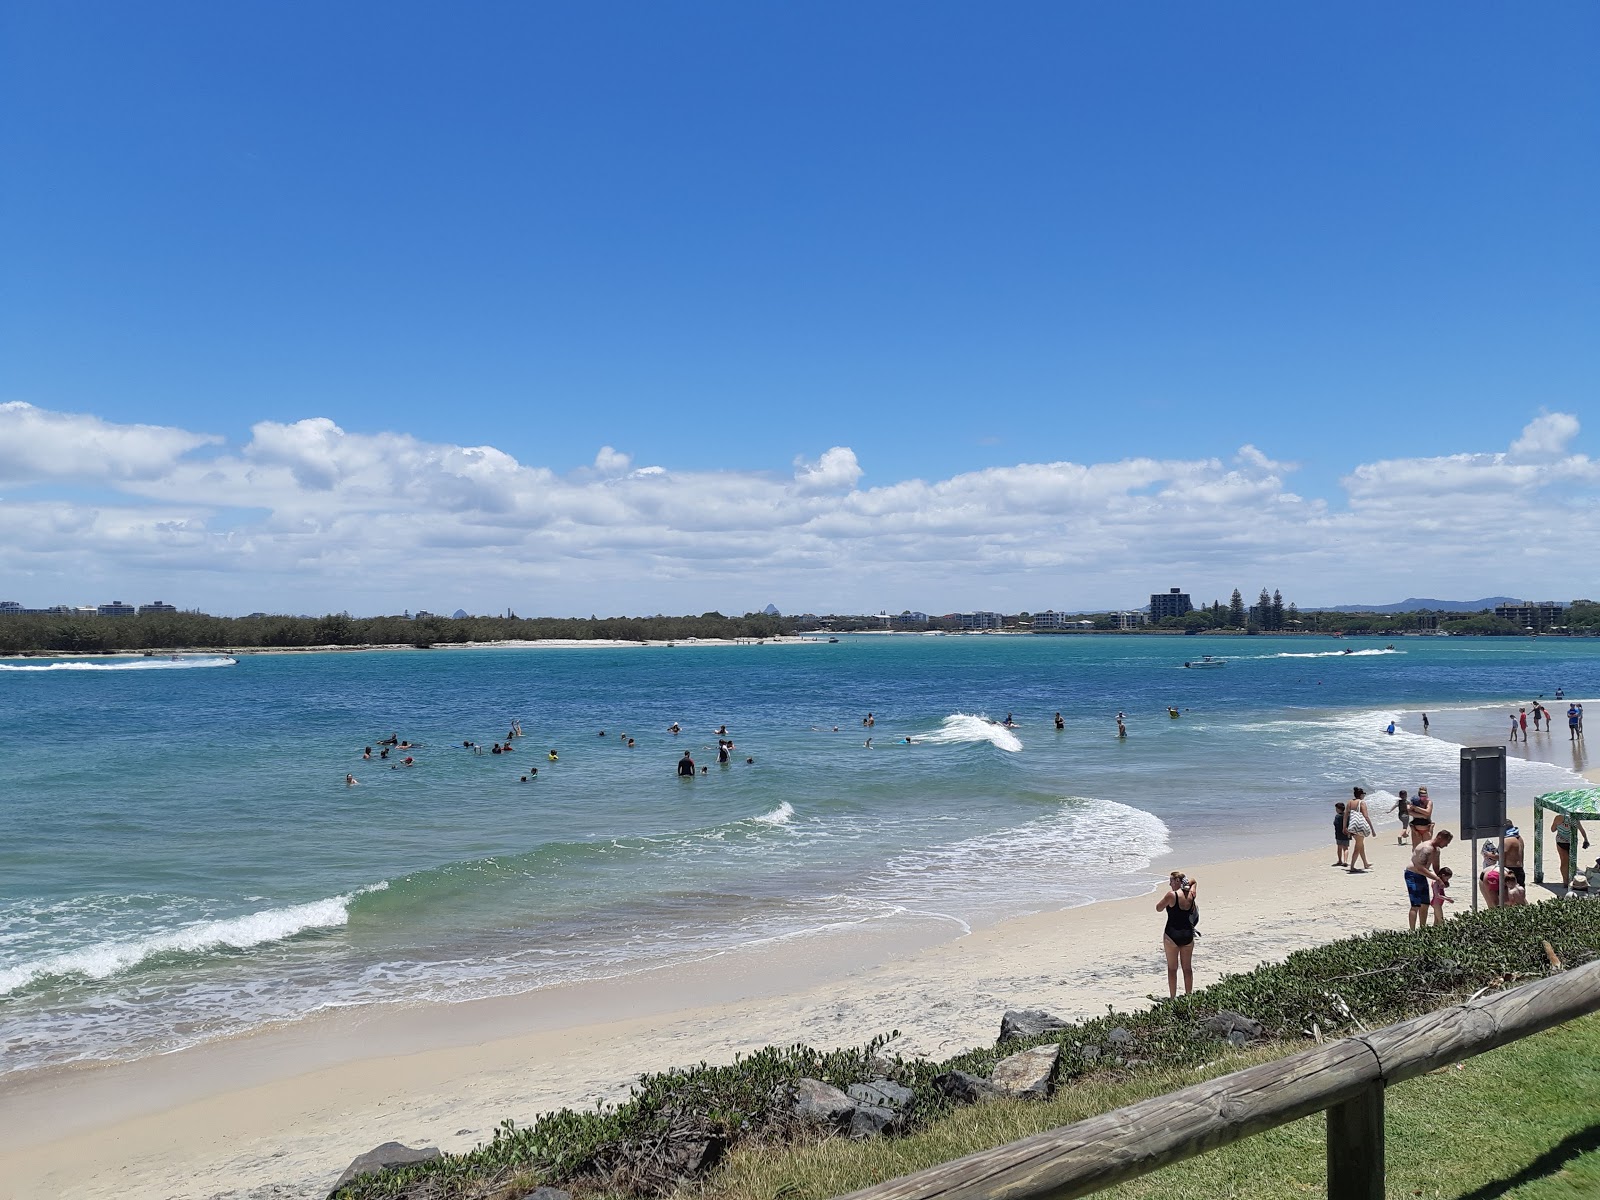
(1423, 869)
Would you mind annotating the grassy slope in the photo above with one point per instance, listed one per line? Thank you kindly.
(1512, 1123)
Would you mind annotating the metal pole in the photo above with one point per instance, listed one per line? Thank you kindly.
(1474, 861)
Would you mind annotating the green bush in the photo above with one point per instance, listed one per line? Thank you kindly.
(676, 1124)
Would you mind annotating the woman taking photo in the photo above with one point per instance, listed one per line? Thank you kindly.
(1177, 939)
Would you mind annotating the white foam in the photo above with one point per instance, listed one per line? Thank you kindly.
(1327, 654)
(138, 664)
(964, 728)
(781, 815)
(102, 960)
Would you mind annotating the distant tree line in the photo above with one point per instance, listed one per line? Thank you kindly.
(39, 633)
(45, 632)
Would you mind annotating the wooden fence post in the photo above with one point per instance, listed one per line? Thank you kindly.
(1355, 1146)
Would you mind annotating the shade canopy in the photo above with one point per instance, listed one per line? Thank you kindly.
(1575, 802)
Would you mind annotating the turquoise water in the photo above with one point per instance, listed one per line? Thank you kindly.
(180, 857)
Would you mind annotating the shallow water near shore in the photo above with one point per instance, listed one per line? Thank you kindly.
(180, 858)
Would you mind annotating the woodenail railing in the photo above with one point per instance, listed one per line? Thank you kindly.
(1346, 1078)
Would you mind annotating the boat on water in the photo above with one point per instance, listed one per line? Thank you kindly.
(1207, 661)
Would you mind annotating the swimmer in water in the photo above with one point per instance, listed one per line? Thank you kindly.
(408, 761)
(384, 753)
(909, 742)
(630, 743)
(868, 743)
(553, 757)
(722, 731)
(1008, 722)
(686, 766)
(1122, 730)
(351, 781)
(602, 733)
(366, 755)
(674, 728)
(1172, 712)
(1060, 722)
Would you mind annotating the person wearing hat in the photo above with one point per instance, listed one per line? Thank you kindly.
(1578, 889)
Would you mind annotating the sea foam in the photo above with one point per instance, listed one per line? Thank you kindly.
(137, 664)
(101, 960)
(963, 728)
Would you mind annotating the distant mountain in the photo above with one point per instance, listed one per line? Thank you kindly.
(1411, 604)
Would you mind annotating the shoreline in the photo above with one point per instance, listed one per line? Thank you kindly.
(278, 1112)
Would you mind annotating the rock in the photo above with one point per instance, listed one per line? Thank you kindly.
(390, 1154)
(1027, 1075)
(872, 1120)
(1028, 1023)
(822, 1102)
(883, 1093)
(1090, 1053)
(1238, 1039)
(1225, 1024)
(1120, 1036)
(964, 1088)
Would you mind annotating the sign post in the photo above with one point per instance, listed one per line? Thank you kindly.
(1483, 805)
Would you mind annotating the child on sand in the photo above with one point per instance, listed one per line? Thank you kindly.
(1439, 898)
(1341, 839)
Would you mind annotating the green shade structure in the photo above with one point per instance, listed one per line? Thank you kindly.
(1582, 803)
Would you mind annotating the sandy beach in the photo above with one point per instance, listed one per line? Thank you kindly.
(280, 1113)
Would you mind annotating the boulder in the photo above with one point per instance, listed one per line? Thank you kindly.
(1090, 1053)
(1026, 1023)
(964, 1088)
(872, 1120)
(390, 1154)
(884, 1093)
(823, 1103)
(1120, 1036)
(1227, 1024)
(1027, 1075)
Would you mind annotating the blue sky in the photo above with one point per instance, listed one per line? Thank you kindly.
(727, 238)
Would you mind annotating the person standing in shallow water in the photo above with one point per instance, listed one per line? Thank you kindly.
(686, 766)
(1177, 937)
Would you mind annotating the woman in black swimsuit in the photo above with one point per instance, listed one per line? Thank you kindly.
(1177, 939)
(1421, 818)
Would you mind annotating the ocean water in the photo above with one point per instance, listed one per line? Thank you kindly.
(180, 858)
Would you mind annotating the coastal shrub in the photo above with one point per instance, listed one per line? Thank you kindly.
(676, 1124)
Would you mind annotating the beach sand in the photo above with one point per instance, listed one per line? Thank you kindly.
(280, 1113)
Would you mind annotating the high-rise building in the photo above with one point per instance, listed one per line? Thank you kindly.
(1171, 603)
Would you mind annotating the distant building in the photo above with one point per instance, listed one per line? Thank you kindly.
(9, 608)
(908, 620)
(1171, 603)
(1132, 619)
(156, 606)
(1050, 619)
(1537, 617)
(117, 609)
(977, 620)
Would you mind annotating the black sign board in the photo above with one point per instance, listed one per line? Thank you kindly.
(1483, 791)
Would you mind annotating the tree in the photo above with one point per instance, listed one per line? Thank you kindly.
(1277, 609)
(1263, 610)
(1294, 614)
(1236, 610)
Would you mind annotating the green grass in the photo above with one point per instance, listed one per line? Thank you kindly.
(1520, 1122)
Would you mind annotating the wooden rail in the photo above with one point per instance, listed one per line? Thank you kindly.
(1346, 1078)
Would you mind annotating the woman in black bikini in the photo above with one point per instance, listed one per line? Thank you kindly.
(1421, 818)
(1177, 939)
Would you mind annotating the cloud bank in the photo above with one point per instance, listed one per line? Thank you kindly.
(308, 517)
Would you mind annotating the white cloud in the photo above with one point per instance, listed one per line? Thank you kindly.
(36, 445)
(837, 469)
(377, 522)
(1546, 436)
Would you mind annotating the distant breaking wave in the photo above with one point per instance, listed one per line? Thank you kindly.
(101, 960)
(138, 664)
(962, 728)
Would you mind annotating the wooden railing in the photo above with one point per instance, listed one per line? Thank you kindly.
(1346, 1078)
